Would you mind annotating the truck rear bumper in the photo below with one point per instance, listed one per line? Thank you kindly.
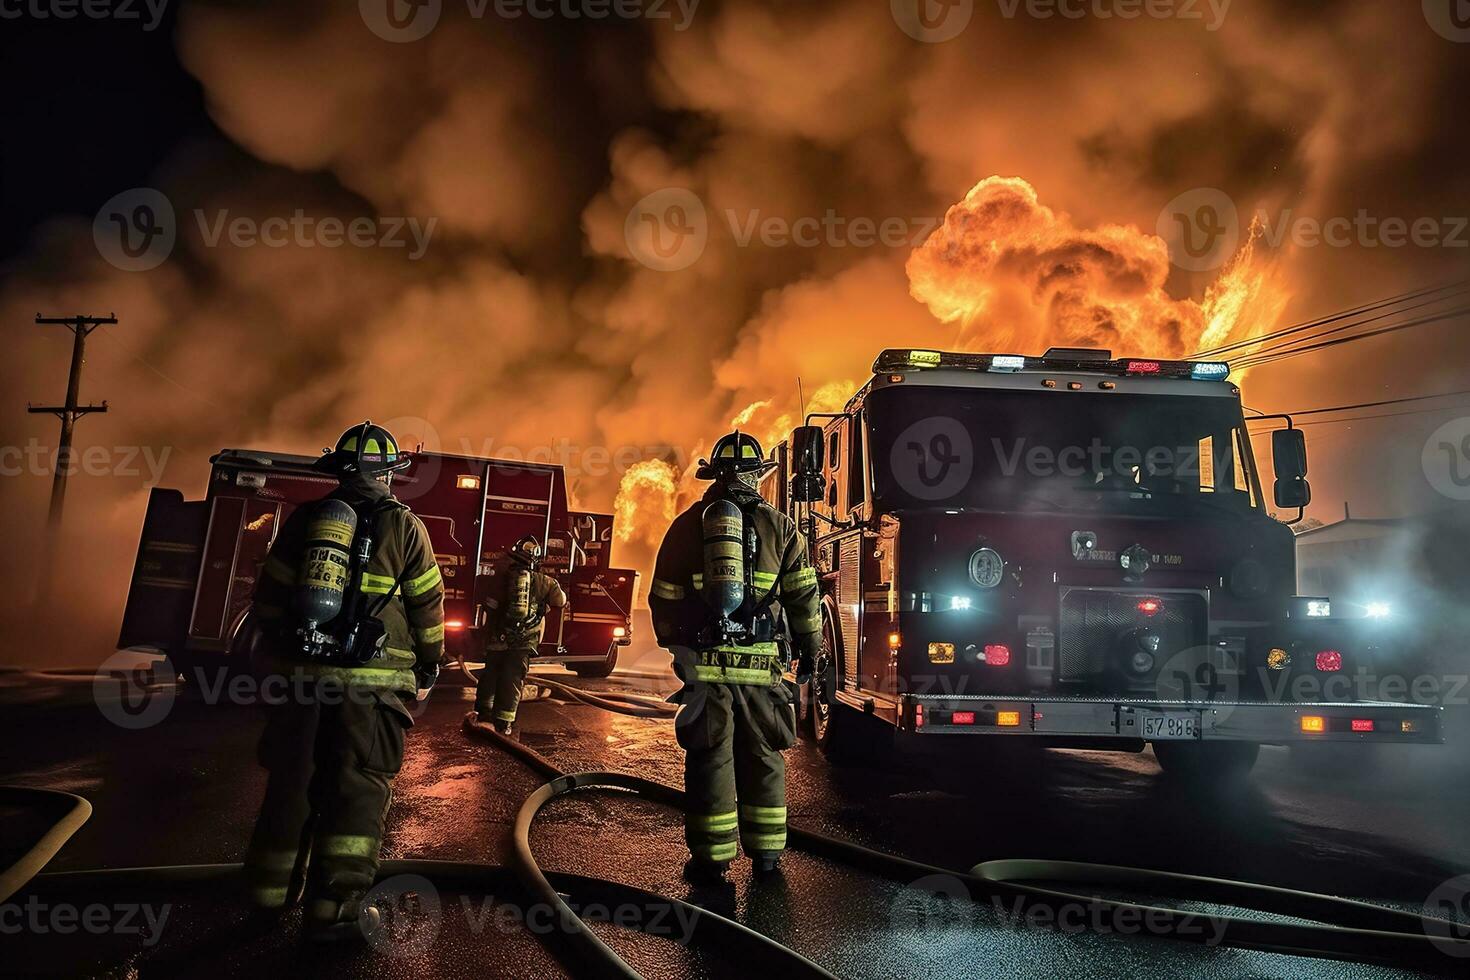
(1126, 718)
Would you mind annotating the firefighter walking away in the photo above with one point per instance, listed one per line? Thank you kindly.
(514, 620)
(350, 608)
(733, 589)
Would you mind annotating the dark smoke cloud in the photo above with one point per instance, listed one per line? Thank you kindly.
(528, 319)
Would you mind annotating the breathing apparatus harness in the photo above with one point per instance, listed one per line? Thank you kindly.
(515, 616)
(351, 634)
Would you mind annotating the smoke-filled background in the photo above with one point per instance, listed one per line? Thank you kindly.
(1019, 168)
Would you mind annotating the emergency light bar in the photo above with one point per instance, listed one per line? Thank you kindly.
(896, 360)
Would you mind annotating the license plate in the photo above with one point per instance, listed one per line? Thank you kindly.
(1162, 726)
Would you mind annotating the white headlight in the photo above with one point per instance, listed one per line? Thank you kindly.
(1379, 610)
(1319, 608)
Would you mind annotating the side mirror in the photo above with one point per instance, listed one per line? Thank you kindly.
(1289, 460)
(1289, 454)
(806, 449)
(1293, 493)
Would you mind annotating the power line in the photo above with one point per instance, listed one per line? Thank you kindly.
(1214, 352)
(1365, 418)
(1252, 361)
(1290, 344)
(1380, 404)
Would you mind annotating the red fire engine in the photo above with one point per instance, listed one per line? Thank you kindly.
(1074, 548)
(198, 561)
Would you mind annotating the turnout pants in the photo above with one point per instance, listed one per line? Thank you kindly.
(326, 797)
(734, 775)
(498, 693)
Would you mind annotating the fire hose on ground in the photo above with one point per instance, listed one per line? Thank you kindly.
(1361, 932)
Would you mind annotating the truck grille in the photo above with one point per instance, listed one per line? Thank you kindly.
(1093, 621)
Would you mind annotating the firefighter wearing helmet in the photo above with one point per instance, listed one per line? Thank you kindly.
(513, 619)
(350, 614)
(733, 586)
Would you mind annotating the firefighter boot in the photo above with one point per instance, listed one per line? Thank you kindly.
(698, 871)
(766, 865)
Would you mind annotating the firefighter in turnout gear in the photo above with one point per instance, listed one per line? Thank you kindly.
(514, 620)
(350, 615)
(730, 570)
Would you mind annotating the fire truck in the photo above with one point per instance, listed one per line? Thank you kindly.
(198, 561)
(1073, 549)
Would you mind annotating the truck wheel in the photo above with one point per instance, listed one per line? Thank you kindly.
(1206, 761)
(601, 668)
(832, 724)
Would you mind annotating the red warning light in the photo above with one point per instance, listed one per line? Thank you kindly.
(1150, 606)
(1143, 367)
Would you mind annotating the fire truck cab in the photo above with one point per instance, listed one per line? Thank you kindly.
(1074, 549)
(198, 561)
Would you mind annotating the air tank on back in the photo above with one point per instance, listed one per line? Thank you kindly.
(322, 580)
(724, 558)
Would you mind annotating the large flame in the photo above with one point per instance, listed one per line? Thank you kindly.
(1013, 275)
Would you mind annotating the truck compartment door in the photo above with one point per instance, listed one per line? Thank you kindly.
(166, 573)
(599, 601)
(241, 530)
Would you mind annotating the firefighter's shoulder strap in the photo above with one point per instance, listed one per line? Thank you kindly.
(375, 515)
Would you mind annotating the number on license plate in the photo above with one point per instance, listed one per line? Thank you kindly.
(1159, 725)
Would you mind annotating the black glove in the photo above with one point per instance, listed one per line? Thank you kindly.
(424, 676)
(807, 647)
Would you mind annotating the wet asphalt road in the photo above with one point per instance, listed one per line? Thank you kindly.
(184, 791)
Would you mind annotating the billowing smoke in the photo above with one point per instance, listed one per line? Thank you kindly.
(827, 150)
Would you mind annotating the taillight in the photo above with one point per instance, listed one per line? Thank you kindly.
(1314, 723)
(1143, 367)
(454, 625)
(1150, 605)
(1362, 724)
(895, 640)
(997, 654)
(619, 632)
(1008, 719)
(962, 718)
(1329, 660)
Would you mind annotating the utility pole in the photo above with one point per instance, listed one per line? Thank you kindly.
(80, 326)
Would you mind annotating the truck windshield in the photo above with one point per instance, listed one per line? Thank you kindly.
(997, 449)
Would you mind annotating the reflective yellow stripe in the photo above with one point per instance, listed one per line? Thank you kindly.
(715, 852)
(799, 579)
(505, 716)
(431, 635)
(377, 584)
(369, 678)
(763, 814)
(764, 579)
(698, 579)
(349, 444)
(666, 590)
(423, 583)
(764, 842)
(280, 571)
(372, 448)
(765, 649)
(711, 822)
(733, 675)
(347, 845)
(269, 896)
